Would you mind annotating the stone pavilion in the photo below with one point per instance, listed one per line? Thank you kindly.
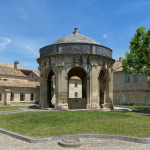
(81, 56)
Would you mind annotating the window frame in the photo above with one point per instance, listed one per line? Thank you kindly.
(135, 78)
(127, 78)
(0, 96)
(76, 95)
(76, 85)
(21, 96)
(32, 96)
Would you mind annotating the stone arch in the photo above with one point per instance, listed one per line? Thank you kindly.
(78, 103)
(47, 70)
(72, 66)
(103, 87)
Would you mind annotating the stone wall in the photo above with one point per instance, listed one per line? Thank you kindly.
(16, 100)
(133, 93)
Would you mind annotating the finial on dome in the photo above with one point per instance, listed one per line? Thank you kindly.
(75, 31)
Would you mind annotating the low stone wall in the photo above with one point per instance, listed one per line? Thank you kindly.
(77, 103)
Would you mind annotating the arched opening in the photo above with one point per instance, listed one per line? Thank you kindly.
(104, 87)
(50, 88)
(12, 96)
(77, 100)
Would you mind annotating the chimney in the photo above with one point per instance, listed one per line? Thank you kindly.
(75, 31)
(120, 59)
(16, 64)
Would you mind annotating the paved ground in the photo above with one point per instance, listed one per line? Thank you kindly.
(9, 143)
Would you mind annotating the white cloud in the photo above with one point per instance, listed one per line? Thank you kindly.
(3, 42)
(105, 36)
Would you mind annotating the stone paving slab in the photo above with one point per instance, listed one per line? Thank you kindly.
(10, 143)
(9, 112)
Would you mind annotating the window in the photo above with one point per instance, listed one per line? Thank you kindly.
(125, 99)
(0, 96)
(76, 95)
(21, 96)
(135, 78)
(32, 75)
(76, 84)
(127, 78)
(31, 97)
(12, 96)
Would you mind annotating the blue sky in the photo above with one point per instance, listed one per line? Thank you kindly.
(28, 25)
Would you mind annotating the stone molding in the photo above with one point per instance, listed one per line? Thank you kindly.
(104, 136)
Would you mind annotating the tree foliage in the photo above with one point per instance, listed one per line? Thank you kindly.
(139, 57)
(52, 89)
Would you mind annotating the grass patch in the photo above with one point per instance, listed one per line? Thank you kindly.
(9, 108)
(140, 108)
(45, 124)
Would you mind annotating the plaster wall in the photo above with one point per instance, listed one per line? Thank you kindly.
(73, 89)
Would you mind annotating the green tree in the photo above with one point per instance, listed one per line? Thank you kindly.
(139, 57)
(52, 89)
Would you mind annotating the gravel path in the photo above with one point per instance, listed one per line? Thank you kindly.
(10, 143)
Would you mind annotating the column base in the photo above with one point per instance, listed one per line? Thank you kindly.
(107, 105)
(88, 106)
(95, 106)
(42, 105)
(61, 106)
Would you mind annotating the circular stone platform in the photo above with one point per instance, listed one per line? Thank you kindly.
(70, 142)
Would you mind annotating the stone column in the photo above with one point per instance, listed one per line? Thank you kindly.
(88, 106)
(61, 89)
(94, 88)
(7, 97)
(43, 92)
(111, 91)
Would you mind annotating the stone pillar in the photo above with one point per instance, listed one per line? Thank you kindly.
(43, 92)
(88, 106)
(94, 88)
(61, 89)
(7, 97)
(111, 91)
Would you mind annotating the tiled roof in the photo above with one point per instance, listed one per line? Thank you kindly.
(19, 83)
(9, 65)
(75, 78)
(118, 66)
(36, 72)
(11, 71)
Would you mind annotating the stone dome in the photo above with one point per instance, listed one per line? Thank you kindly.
(75, 38)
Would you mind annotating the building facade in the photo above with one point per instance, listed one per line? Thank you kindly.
(129, 89)
(15, 86)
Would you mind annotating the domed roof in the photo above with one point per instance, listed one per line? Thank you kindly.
(75, 38)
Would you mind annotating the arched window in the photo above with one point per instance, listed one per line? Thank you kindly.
(12, 96)
(0, 96)
(31, 96)
(21, 96)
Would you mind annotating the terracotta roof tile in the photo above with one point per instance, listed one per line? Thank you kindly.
(11, 71)
(36, 72)
(75, 78)
(9, 65)
(19, 83)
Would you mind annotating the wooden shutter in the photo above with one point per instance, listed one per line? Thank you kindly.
(135, 78)
(126, 80)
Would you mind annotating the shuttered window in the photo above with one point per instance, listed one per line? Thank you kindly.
(135, 78)
(127, 79)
